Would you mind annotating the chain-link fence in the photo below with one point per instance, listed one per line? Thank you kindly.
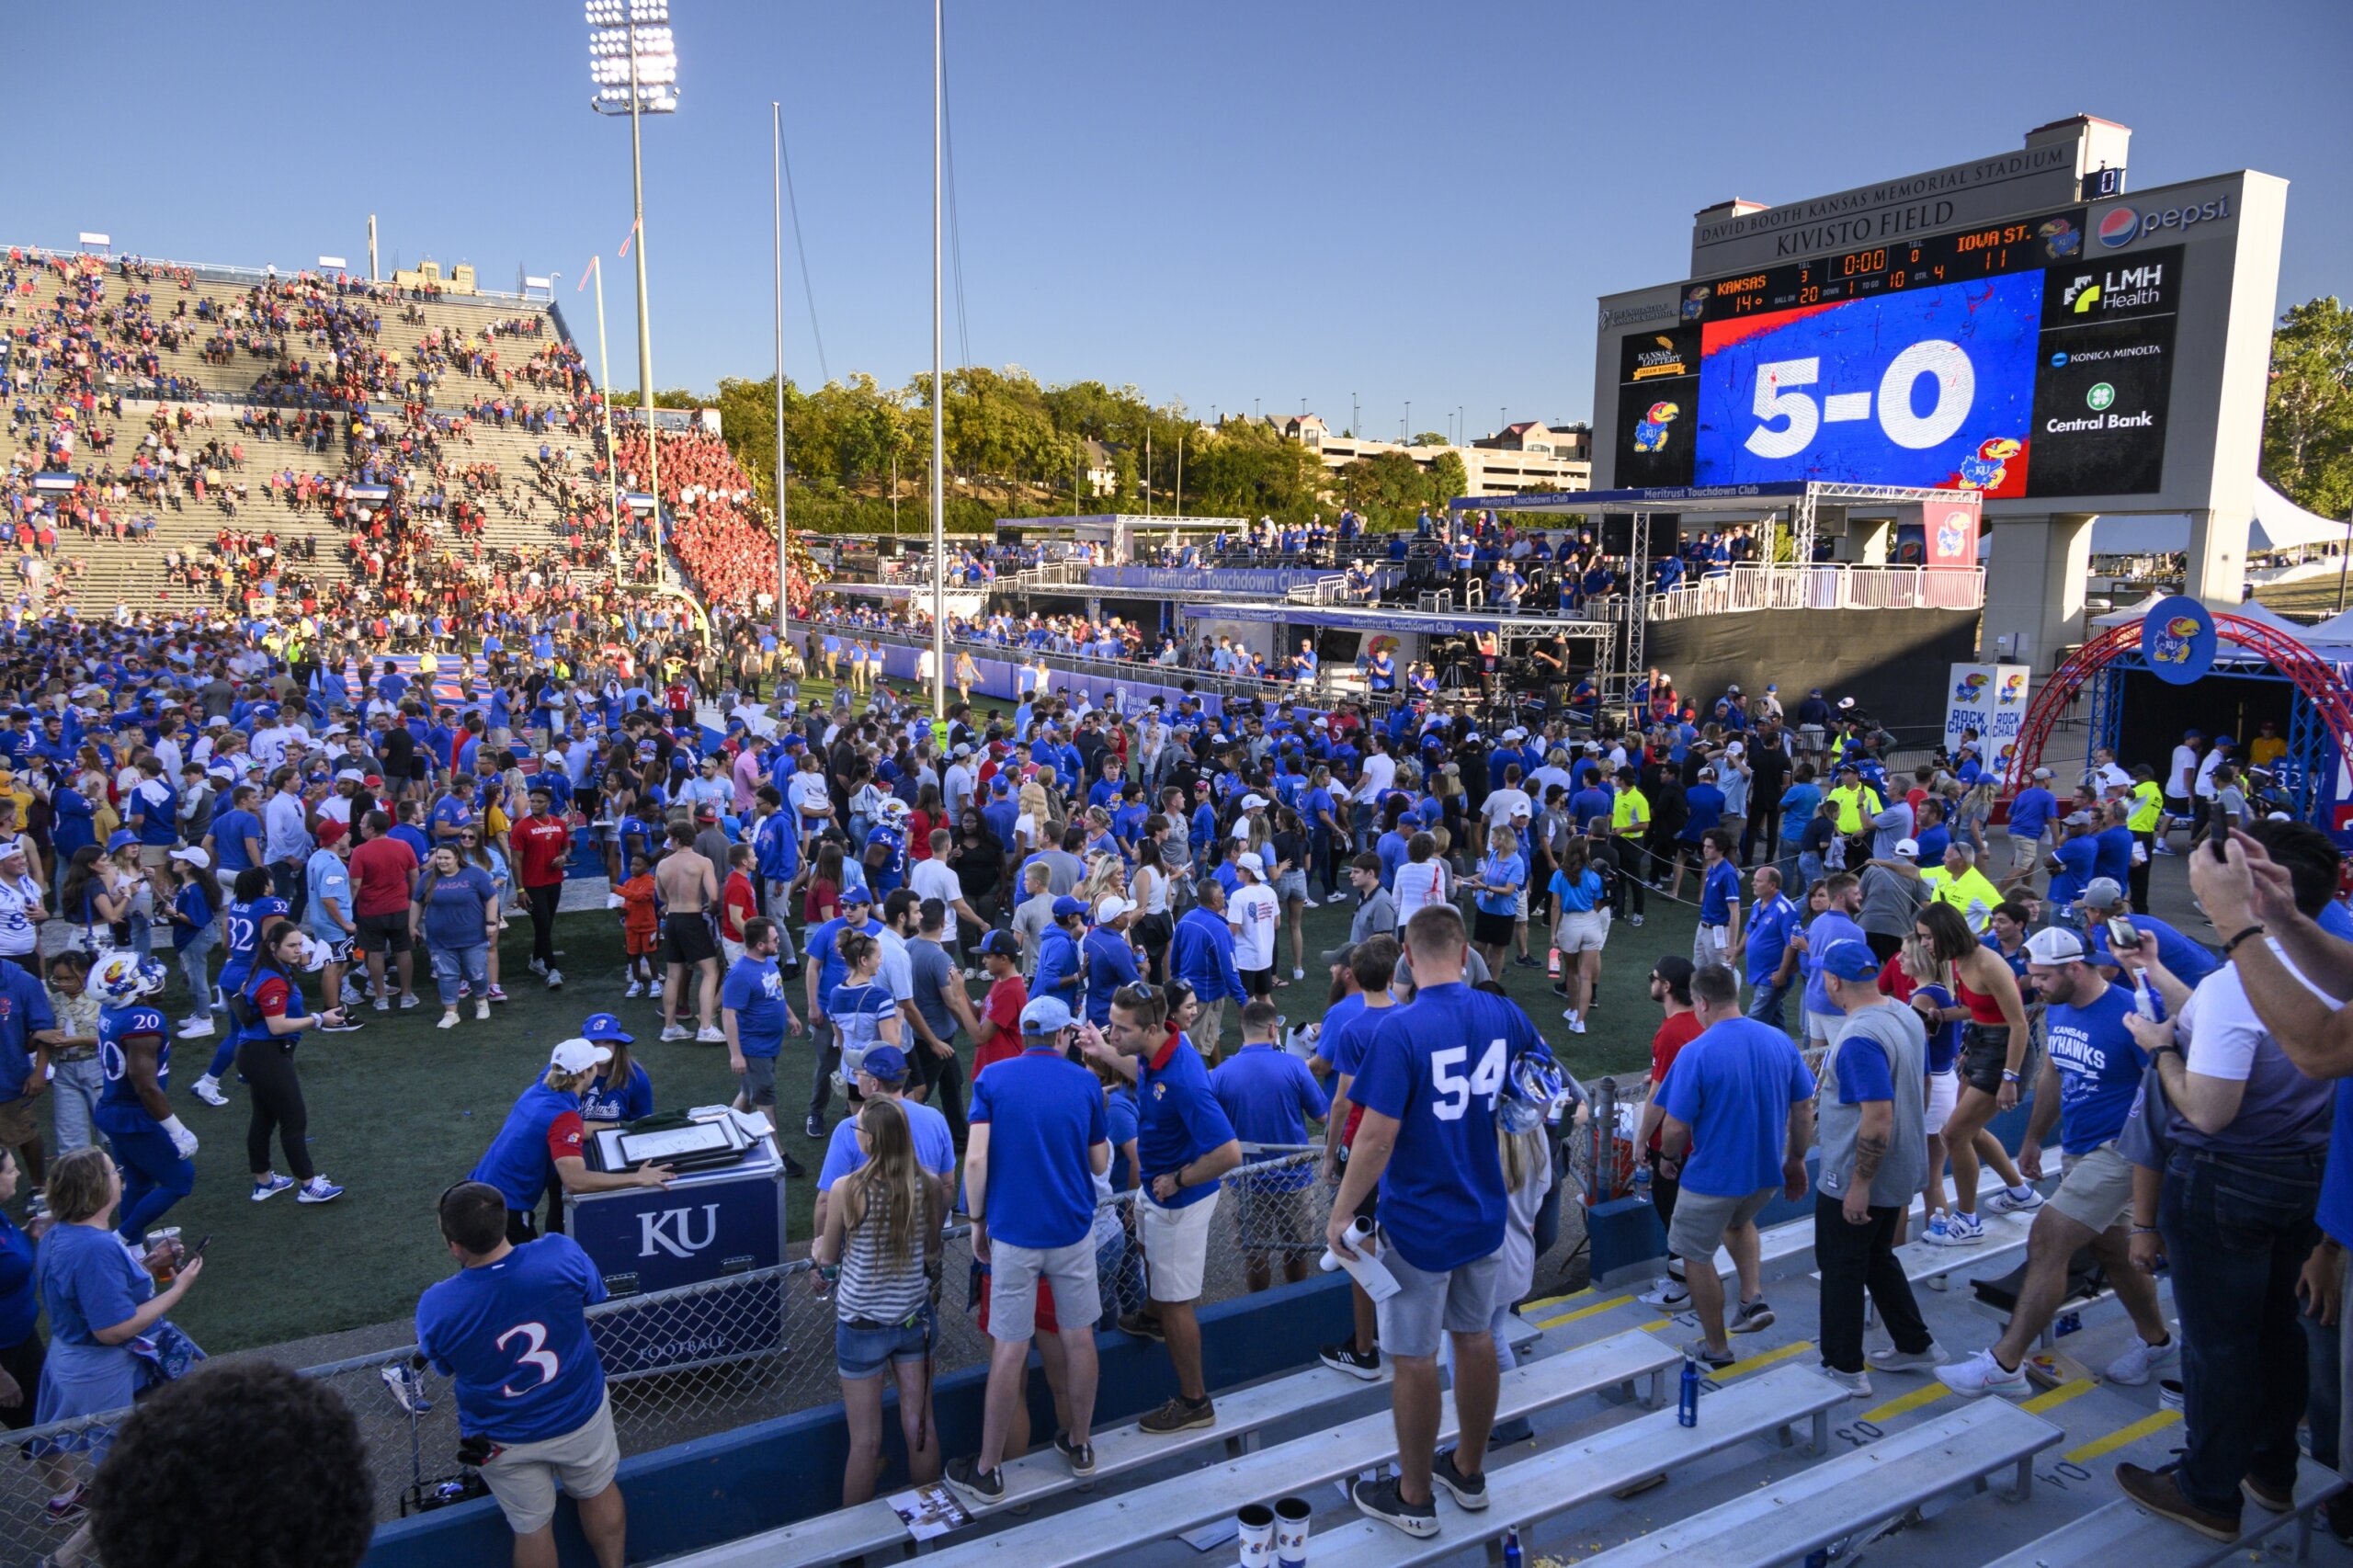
(705, 1359)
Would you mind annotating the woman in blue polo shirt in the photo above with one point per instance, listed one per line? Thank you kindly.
(1496, 889)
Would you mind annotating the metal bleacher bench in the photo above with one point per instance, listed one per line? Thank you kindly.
(2124, 1532)
(1782, 1520)
(1242, 1414)
(1111, 1527)
(1587, 1469)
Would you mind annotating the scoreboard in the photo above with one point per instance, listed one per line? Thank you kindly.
(1999, 358)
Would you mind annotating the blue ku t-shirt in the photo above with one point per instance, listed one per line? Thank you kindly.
(1438, 1066)
(2099, 1068)
(1732, 1085)
(514, 1336)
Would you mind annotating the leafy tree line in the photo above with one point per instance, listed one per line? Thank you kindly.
(2308, 415)
(1017, 448)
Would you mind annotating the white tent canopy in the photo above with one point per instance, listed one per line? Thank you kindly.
(2252, 611)
(2278, 524)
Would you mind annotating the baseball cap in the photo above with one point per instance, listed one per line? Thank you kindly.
(2042, 773)
(578, 1055)
(1066, 906)
(1850, 960)
(1344, 953)
(1908, 847)
(1112, 907)
(855, 895)
(1043, 1016)
(1254, 802)
(2056, 943)
(1250, 860)
(329, 833)
(2083, 819)
(350, 776)
(885, 1063)
(1004, 944)
(198, 855)
(604, 1026)
(2101, 892)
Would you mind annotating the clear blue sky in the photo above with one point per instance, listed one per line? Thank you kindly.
(1217, 202)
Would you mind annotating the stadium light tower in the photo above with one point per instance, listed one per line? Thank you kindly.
(633, 66)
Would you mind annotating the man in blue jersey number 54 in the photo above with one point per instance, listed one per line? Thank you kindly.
(511, 1329)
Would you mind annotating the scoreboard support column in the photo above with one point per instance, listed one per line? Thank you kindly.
(2217, 559)
(2035, 577)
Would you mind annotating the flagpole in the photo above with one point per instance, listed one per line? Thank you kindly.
(783, 552)
(939, 419)
(645, 324)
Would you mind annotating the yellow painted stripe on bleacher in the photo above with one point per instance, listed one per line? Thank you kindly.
(1913, 1400)
(2122, 1437)
(1763, 1359)
(1654, 1327)
(2059, 1396)
(1555, 1301)
(1582, 1311)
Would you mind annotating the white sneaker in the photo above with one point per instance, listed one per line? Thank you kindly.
(2142, 1358)
(1857, 1385)
(1893, 1360)
(708, 1036)
(1668, 1295)
(636, 988)
(482, 1012)
(1953, 1230)
(675, 1031)
(1298, 974)
(411, 1000)
(1980, 1375)
(2008, 1200)
(538, 968)
(447, 1020)
(555, 980)
(195, 1028)
(207, 1089)
(381, 1005)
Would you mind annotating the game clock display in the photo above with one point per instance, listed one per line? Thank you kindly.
(1999, 360)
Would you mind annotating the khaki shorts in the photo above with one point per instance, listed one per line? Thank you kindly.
(524, 1477)
(1702, 1219)
(2096, 1189)
(1583, 931)
(1176, 1247)
(18, 1125)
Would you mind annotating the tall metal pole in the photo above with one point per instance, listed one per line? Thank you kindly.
(2344, 561)
(645, 323)
(938, 391)
(612, 453)
(783, 532)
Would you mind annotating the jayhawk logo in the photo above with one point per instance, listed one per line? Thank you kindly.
(2011, 685)
(2174, 642)
(1970, 690)
(1952, 536)
(1990, 465)
(2060, 239)
(1650, 436)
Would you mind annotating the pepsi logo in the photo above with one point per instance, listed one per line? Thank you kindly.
(2120, 227)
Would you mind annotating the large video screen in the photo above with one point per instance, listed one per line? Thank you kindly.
(2001, 361)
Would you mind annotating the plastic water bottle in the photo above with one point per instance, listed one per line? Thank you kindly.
(1512, 1556)
(1687, 1409)
(1642, 1186)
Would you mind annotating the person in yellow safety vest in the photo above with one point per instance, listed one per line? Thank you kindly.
(1958, 882)
(2144, 805)
(1630, 822)
(1857, 801)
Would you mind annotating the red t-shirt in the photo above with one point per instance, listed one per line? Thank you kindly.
(540, 844)
(738, 904)
(1672, 1037)
(382, 870)
(1002, 1006)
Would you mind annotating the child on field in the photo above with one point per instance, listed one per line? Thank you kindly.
(641, 927)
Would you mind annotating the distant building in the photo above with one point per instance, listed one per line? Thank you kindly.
(1523, 457)
(1536, 439)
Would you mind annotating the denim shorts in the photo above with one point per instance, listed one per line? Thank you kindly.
(1290, 885)
(862, 1352)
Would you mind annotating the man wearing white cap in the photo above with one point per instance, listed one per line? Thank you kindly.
(542, 1140)
(1253, 914)
(1110, 960)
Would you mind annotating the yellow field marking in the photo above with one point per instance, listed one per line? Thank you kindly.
(2122, 1437)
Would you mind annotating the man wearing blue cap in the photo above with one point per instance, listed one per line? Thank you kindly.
(1039, 1138)
(1874, 1158)
(883, 1075)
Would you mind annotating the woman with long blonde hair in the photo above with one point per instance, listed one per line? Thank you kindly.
(882, 1237)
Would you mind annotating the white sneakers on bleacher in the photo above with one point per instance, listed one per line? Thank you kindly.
(1980, 1375)
(2013, 1200)
(1948, 1229)
(1667, 1293)
(2141, 1359)
(1893, 1360)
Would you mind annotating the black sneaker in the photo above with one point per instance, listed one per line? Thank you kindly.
(1346, 1358)
(1380, 1500)
(1469, 1492)
(1144, 1325)
(794, 1169)
(968, 1480)
(1080, 1455)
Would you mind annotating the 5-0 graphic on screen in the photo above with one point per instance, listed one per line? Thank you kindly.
(1946, 364)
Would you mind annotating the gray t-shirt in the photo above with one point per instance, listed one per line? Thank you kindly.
(935, 971)
(1889, 902)
(1376, 916)
(1030, 918)
(1894, 1033)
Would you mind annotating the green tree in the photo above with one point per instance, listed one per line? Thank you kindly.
(1429, 438)
(1448, 478)
(2308, 415)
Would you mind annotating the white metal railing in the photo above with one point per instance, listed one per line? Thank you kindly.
(220, 272)
(1835, 587)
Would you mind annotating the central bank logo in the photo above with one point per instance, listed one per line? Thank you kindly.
(2119, 227)
(2099, 397)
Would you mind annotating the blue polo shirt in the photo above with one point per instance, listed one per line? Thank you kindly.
(24, 1011)
(1044, 1114)
(1732, 1085)
(1436, 1067)
(1771, 923)
(1719, 894)
(1178, 1118)
(514, 1336)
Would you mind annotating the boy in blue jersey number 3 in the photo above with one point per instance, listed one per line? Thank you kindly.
(511, 1329)
(1431, 1075)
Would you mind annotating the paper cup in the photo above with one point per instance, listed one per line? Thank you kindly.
(1257, 1522)
(1292, 1517)
(2169, 1394)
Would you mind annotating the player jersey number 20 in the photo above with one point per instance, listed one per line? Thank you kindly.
(1455, 1089)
